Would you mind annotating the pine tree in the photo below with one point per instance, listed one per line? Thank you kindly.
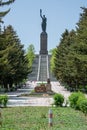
(81, 50)
(3, 13)
(71, 55)
(16, 58)
(63, 63)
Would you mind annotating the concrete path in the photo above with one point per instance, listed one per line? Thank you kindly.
(56, 87)
(14, 100)
(31, 101)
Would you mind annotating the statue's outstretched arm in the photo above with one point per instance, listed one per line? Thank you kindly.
(41, 13)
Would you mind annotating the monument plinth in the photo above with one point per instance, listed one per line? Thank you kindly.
(43, 43)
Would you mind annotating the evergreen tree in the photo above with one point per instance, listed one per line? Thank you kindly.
(3, 57)
(16, 61)
(3, 13)
(3, 48)
(63, 65)
(71, 55)
(81, 50)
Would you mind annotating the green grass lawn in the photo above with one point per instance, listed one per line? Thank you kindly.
(36, 118)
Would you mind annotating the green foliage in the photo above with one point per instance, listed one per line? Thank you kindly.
(58, 99)
(83, 105)
(63, 66)
(73, 99)
(30, 55)
(13, 62)
(3, 100)
(80, 100)
(3, 3)
(52, 65)
(70, 57)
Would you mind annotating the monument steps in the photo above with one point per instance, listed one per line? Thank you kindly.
(43, 68)
(41, 71)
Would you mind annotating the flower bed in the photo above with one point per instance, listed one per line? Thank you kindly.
(41, 88)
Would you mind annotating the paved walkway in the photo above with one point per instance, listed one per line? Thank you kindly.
(34, 101)
(31, 101)
(56, 87)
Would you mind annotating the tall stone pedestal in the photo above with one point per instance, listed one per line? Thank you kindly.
(43, 43)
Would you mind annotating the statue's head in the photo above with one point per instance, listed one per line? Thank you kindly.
(43, 16)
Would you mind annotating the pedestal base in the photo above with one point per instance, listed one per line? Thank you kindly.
(43, 43)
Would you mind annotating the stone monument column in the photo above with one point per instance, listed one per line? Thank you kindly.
(43, 43)
(43, 35)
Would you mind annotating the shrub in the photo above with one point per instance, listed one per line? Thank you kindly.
(73, 99)
(58, 99)
(79, 102)
(83, 105)
(3, 100)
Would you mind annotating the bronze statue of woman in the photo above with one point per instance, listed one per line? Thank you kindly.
(44, 20)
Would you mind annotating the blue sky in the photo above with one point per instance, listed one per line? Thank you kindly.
(25, 19)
